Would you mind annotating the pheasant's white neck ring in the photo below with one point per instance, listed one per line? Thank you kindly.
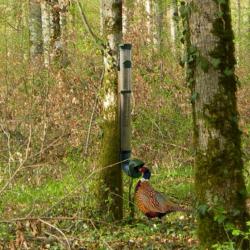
(143, 179)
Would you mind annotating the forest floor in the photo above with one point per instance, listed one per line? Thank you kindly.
(50, 204)
(58, 215)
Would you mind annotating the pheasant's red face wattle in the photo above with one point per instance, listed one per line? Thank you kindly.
(142, 169)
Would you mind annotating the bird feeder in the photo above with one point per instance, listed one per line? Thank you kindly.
(125, 110)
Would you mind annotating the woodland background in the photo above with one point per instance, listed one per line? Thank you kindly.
(48, 152)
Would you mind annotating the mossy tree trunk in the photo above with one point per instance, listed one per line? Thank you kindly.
(219, 183)
(35, 28)
(110, 186)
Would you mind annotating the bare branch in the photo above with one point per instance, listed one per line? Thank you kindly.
(92, 114)
(22, 162)
(97, 40)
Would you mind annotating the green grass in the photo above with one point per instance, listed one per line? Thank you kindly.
(162, 137)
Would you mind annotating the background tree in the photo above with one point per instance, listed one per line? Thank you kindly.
(46, 20)
(55, 42)
(110, 187)
(154, 23)
(219, 183)
(174, 27)
(35, 27)
(64, 6)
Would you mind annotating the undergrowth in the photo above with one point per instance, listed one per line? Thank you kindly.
(45, 115)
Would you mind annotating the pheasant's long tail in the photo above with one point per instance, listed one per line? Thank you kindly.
(177, 208)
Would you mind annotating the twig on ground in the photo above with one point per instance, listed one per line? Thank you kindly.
(58, 230)
(59, 218)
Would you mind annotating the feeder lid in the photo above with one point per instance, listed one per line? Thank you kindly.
(134, 165)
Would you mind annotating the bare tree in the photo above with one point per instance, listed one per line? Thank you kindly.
(46, 16)
(35, 28)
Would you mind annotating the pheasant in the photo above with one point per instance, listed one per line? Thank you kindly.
(149, 201)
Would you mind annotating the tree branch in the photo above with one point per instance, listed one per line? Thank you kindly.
(97, 40)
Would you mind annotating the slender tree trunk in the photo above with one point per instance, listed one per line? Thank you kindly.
(219, 183)
(127, 15)
(55, 39)
(174, 28)
(101, 16)
(110, 188)
(154, 22)
(45, 7)
(35, 27)
(157, 24)
(64, 60)
(248, 17)
(238, 47)
(25, 23)
(148, 9)
(125, 11)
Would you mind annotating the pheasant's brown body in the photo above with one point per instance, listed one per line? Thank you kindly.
(152, 203)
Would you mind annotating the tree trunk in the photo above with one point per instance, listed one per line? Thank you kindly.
(101, 16)
(110, 188)
(174, 28)
(157, 24)
(148, 9)
(55, 39)
(45, 7)
(35, 28)
(127, 15)
(64, 60)
(219, 183)
(154, 22)
(125, 11)
(238, 47)
(248, 17)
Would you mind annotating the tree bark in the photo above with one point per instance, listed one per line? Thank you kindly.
(101, 16)
(35, 28)
(219, 182)
(127, 15)
(64, 60)
(55, 39)
(45, 7)
(148, 10)
(125, 20)
(174, 28)
(110, 186)
(238, 47)
(154, 22)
